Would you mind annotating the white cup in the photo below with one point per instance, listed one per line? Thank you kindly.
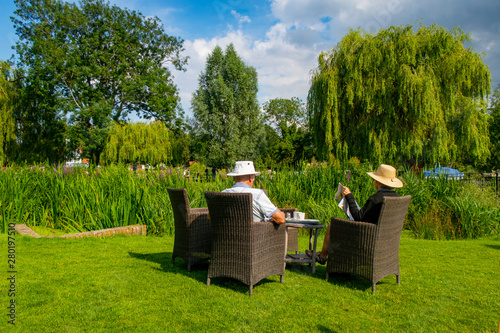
(299, 215)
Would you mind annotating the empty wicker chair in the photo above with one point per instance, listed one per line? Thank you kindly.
(242, 249)
(192, 229)
(366, 249)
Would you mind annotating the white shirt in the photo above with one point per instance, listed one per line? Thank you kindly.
(263, 208)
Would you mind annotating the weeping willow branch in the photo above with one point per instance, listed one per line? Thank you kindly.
(398, 94)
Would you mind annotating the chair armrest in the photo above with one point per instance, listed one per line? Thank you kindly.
(199, 211)
(268, 227)
(269, 235)
(200, 215)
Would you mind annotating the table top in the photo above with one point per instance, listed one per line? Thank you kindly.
(305, 223)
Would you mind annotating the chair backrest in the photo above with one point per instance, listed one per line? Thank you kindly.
(229, 210)
(180, 205)
(391, 220)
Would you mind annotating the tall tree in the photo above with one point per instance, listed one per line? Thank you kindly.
(100, 62)
(229, 125)
(139, 142)
(398, 94)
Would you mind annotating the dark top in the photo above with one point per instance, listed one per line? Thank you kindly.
(371, 210)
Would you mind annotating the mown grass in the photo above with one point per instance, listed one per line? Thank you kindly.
(127, 284)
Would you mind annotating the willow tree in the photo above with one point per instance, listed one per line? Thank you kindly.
(401, 93)
(139, 142)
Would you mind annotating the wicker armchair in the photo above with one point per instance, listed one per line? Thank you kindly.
(366, 249)
(242, 249)
(192, 229)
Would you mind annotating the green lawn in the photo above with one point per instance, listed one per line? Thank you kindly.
(127, 284)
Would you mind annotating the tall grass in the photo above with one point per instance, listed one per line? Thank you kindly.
(89, 199)
(449, 209)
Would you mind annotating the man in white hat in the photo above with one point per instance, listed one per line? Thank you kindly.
(384, 181)
(244, 176)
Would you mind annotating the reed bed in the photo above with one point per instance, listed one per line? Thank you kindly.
(79, 199)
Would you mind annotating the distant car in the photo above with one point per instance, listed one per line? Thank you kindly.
(449, 173)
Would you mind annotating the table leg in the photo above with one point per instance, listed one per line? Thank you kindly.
(313, 248)
(286, 247)
(314, 252)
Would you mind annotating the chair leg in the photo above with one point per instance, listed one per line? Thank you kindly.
(173, 260)
(251, 290)
(373, 287)
(327, 276)
(208, 281)
(398, 279)
(281, 277)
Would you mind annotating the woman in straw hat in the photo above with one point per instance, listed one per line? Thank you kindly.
(385, 181)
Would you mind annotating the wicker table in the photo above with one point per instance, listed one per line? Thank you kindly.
(302, 257)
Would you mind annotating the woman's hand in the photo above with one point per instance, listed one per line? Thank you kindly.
(345, 191)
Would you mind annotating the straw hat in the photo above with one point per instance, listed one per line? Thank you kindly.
(243, 168)
(386, 175)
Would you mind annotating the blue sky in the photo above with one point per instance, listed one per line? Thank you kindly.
(282, 38)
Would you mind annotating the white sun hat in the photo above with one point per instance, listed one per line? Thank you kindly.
(243, 168)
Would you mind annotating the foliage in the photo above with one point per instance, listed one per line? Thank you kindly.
(41, 128)
(448, 209)
(81, 199)
(287, 134)
(100, 63)
(470, 119)
(287, 111)
(90, 199)
(180, 148)
(228, 124)
(142, 143)
(8, 98)
(494, 127)
(401, 94)
(128, 284)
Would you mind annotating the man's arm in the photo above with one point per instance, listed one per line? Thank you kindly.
(278, 217)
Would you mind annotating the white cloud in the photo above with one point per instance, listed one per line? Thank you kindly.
(286, 54)
(241, 18)
(283, 68)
